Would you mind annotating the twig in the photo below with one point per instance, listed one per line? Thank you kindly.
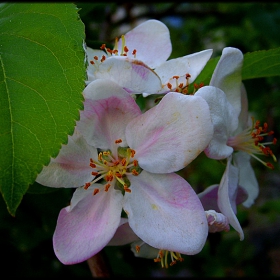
(98, 266)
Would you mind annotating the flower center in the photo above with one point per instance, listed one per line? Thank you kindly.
(115, 51)
(178, 83)
(249, 141)
(114, 169)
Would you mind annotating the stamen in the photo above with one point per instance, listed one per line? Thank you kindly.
(96, 191)
(162, 257)
(249, 141)
(137, 248)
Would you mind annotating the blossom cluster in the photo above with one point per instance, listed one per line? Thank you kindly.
(122, 161)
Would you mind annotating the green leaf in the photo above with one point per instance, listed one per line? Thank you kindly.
(261, 64)
(42, 74)
(258, 64)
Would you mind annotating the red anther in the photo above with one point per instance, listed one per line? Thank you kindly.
(91, 62)
(126, 189)
(118, 141)
(94, 173)
(109, 178)
(116, 163)
(172, 263)
(103, 46)
(175, 77)
(169, 85)
(134, 52)
(95, 57)
(137, 248)
(107, 186)
(181, 85)
(119, 175)
(134, 172)
(135, 162)
(115, 51)
(274, 141)
(270, 165)
(95, 191)
(123, 162)
(157, 260)
(92, 165)
(125, 49)
(188, 75)
(103, 58)
(257, 124)
(109, 50)
(132, 153)
(270, 132)
(86, 186)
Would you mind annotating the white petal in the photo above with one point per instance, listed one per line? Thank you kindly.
(191, 64)
(224, 119)
(247, 177)
(91, 68)
(130, 74)
(227, 76)
(151, 39)
(170, 135)
(227, 196)
(70, 169)
(165, 212)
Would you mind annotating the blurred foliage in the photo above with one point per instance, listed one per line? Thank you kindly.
(26, 239)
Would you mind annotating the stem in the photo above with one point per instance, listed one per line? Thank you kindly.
(98, 266)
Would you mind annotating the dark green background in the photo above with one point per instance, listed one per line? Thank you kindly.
(26, 240)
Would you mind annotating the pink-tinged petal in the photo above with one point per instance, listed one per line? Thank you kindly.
(131, 74)
(190, 64)
(209, 197)
(87, 225)
(91, 54)
(70, 169)
(165, 212)
(247, 177)
(217, 221)
(151, 40)
(123, 235)
(227, 196)
(170, 135)
(227, 76)
(224, 119)
(103, 120)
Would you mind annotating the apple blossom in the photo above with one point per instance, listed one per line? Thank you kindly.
(234, 134)
(120, 159)
(138, 61)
